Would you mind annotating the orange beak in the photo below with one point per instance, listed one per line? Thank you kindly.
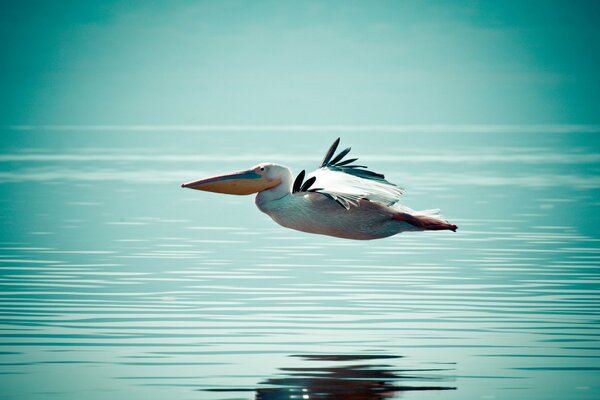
(240, 183)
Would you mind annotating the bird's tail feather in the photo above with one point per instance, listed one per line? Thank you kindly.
(429, 220)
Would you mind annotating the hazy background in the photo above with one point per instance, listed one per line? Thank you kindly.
(291, 62)
(117, 283)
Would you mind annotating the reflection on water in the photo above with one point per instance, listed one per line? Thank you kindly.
(116, 283)
(352, 379)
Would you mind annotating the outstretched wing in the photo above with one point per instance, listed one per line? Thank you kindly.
(345, 182)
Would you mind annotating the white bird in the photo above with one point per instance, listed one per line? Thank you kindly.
(338, 199)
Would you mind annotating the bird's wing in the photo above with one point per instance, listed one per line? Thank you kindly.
(345, 182)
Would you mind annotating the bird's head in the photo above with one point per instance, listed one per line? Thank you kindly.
(261, 177)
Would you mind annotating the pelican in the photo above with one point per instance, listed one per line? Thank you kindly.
(340, 198)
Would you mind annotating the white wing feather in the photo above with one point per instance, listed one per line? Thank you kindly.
(347, 183)
(352, 188)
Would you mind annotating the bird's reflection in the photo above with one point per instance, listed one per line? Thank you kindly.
(350, 377)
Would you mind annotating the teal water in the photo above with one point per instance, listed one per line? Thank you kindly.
(117, 283)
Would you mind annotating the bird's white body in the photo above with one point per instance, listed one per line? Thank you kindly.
(314, 213)
(339, 199)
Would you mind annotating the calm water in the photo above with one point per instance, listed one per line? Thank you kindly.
(116, 283)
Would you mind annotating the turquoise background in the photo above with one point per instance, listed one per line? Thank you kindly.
(116, 283)
(297, 62)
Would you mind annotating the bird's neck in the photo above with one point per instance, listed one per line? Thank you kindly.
(275, 193)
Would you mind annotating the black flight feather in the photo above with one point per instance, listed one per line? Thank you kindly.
(330, 152)
(298, 182)
(348, 161)
(308, 184)
(340, 156)
(338, 163)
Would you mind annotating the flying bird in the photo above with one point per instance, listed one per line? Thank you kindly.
(340, 198)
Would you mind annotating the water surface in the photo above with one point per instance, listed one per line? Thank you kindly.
(117, 283)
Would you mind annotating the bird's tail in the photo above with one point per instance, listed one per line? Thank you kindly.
(429, 220)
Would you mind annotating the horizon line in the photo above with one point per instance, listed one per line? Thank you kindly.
(398, 128)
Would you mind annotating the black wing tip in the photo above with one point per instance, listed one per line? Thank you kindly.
(298, 181)
(346, 166)
(340, 156)
(330, 152)
(309, 182)
(300, 185)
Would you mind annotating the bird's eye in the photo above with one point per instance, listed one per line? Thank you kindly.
(262, 168)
